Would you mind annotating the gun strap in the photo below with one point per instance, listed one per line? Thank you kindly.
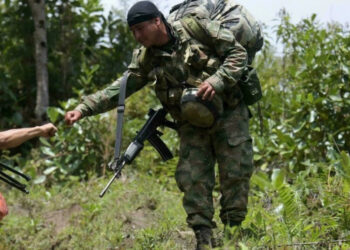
(120, 115)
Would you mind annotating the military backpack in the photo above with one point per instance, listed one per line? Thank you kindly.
(234, 17)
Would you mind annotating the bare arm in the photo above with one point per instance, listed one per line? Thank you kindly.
(14, 137)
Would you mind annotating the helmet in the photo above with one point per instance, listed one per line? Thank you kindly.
(198, 112)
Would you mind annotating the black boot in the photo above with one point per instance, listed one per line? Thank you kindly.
(203, 236)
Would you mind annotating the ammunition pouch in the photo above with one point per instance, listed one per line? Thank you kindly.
(250, 86)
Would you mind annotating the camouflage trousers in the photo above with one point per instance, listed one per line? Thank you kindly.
(229, 144)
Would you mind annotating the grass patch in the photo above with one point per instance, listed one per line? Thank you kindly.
(137, 213)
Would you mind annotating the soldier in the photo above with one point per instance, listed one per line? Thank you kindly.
(178, 63)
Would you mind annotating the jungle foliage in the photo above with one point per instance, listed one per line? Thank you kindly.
(80, 39)
(299, 191)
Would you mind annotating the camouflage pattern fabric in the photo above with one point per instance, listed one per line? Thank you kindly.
(229, 144)
(202, 9)
(185, 62)
(172, 68)
(230, 15)
(241, 23)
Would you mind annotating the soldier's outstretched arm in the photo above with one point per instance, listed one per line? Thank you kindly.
(106, 99)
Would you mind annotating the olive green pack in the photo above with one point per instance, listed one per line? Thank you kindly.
(231, 16)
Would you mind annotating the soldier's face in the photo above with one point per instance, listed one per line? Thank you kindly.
(147, 32)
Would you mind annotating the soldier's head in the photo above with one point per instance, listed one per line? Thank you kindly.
(147, 24)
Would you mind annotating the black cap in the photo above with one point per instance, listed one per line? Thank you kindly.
(142, 11)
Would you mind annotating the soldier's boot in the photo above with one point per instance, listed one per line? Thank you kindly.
(203, 237)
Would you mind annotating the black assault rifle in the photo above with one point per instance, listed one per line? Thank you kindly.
(148, 132)
(12, 181)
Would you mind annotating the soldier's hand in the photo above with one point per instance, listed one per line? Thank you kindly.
(72, 116)
(206, 91)
(3, 207)
(48, 130)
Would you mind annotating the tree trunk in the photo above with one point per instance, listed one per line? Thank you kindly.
(40, 40)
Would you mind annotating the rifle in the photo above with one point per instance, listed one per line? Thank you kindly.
(12, 181)
(148, 132)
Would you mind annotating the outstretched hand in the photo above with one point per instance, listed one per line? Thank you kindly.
(48, 130)
(72, 116)
(206, 91)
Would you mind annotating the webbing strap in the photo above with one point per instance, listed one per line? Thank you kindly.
(195, 30)
(120, 115)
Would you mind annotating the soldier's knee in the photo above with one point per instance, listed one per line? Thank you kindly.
(183, 179)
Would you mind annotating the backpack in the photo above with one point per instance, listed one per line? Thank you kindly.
(231, 16)
(243, 25)
(199, 8)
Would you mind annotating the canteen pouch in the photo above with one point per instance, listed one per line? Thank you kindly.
(250, 86)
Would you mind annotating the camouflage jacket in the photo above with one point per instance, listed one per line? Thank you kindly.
(184, 63)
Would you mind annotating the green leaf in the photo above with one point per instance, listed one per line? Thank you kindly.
(264, 166)
(336, 98)
(345, 163)
(310, 98)
(261, 180)
(300, 127)
(49, 170)
(313, 17)
(39, 180)
(346, 187)
(53, 113)
(259, 218)
(277, 178)
(44, 141)
(47, 151)
(257, 157)
(287, 196)
(345, 160)
(243, 246)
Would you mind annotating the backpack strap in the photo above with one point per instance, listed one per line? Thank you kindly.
(184, 36)
(195, 29)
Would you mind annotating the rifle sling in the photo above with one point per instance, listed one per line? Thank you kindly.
(120, 115)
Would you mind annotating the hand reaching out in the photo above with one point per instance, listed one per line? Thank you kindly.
(72, 116)
(48, 130)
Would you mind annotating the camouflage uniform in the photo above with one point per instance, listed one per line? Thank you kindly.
(228, 142)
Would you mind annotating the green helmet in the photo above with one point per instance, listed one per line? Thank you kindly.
(198, 112)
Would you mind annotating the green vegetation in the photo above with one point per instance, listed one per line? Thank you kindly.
(299, 192)
(138, 213)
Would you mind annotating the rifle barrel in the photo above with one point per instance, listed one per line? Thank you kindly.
(107, 186)
(116, 175)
